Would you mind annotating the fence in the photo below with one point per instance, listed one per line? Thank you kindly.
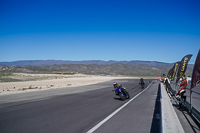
(193, 110)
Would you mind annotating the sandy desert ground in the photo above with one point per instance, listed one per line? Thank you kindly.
(51, 81)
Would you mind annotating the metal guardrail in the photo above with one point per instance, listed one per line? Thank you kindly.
(194, 91)
(188, 105)
(195, 112)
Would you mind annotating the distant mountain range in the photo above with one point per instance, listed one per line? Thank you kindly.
(85, 62)
(129, 68)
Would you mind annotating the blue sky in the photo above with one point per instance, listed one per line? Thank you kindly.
(150, 30)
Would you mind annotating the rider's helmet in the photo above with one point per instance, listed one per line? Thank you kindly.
(115, 84)
(183, 76)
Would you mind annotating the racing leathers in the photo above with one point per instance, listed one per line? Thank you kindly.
(182, 90)
(141, 81)
(118, 86)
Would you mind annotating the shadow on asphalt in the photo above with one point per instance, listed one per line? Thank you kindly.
(156, 121)
(119, 99)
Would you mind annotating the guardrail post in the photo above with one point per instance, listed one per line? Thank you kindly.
(190, 101)
(175, 89)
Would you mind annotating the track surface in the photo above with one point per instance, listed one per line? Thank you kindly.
(70, 113)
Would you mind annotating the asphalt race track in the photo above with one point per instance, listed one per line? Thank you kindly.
(72, 113)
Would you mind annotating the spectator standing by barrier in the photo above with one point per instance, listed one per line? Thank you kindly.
(182, 90)
(167, 83)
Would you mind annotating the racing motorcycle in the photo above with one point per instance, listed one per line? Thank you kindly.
(122, 93)
(142, 84)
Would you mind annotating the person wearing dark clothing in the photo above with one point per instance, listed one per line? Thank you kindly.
(142, 83)
(167, 83)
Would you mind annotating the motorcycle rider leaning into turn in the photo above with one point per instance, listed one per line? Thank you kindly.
(142, 83)
(121, 91)
(116, 86)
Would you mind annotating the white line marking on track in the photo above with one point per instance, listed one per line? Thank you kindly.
(115, 112)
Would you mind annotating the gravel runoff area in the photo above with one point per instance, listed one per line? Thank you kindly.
(54, 81)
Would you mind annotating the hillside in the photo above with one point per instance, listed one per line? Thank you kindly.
(94, 69)
(86, 62)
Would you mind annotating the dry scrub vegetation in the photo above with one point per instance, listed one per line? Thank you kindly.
(19, 82)
(17, 77)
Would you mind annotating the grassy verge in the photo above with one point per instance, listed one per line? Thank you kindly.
(64, 73)
(5, 77)
(4, 74)
(9, 80)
